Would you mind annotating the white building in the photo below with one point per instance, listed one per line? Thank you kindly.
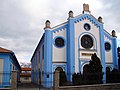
(69, 46)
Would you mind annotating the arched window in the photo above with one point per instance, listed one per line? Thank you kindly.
(59, 69)
(86, 41)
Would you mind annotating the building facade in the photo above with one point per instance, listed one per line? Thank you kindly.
(25, 75)
(8, 63)
(69, 46)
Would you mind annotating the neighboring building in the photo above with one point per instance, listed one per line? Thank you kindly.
(8, 63)
(69, 47)
(118, 50)
(25, 76)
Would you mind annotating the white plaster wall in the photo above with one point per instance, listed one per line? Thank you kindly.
(1, 68)
(23, 80)
(108, 54)
(59, 54)
(79, 28)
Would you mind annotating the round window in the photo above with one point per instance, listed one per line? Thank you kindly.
(86, 26)
(59, 42)
(107, 46)
(86, 41)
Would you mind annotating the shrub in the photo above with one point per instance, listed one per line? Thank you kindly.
(63, 78)
(113, 76)
(92, 73)
(77, 79)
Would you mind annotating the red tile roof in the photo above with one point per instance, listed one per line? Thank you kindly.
(26, 69)
(25, 75)
(3, 50)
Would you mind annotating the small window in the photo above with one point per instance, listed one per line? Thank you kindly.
(87, 26)
(47, 75)
(59, 42)
(26, 78)
(107, 46)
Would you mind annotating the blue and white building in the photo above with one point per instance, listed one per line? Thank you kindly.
(69, 46)
(8, 63)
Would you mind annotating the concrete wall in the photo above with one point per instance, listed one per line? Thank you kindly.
(112, 86)
(14, 80)
(115, 86)
(1, 70)
(23, 80)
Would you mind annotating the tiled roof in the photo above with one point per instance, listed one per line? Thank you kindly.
(25, 69)
(3, 50)
(25, 75)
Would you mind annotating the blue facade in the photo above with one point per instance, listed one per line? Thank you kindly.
(9, 63)
(68, 53)
(48, 58)
(115, 59)
(70, 49)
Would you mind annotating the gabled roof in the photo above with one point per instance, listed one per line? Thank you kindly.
(25, 75)
(3, 50)
(76, 19)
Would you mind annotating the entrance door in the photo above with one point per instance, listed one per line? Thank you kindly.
(62, 76)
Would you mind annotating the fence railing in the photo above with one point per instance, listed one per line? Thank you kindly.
(77, 78)
(8, 80)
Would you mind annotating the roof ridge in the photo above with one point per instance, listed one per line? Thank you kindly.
(5, 50)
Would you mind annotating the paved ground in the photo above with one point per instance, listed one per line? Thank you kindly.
(30, 86)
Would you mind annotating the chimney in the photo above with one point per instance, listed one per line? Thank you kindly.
(86, 8)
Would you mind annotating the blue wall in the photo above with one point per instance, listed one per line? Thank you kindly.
(7, 68)
(114, 53)
(102, 50)
(70, 49)
(48, 58)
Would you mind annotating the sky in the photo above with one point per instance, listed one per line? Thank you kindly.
(22, 21)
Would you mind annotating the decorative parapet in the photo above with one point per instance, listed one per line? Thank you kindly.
(47, 24)
(86, 8)
(100, 19)
(114, 33)
(70, 14)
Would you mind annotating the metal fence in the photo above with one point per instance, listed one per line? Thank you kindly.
(77, 79)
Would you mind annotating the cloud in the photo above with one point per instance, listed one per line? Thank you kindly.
(22, 21)
(110, 12)
(19, 31)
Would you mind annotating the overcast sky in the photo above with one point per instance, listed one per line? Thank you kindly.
(22, 21)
